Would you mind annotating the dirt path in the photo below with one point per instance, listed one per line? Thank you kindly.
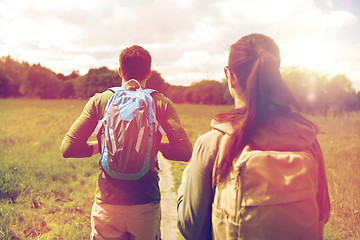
(169, 229)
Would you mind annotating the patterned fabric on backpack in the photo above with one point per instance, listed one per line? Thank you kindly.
(127, 132)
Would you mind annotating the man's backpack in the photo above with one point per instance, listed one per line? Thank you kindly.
(268, 195)
(127, 131)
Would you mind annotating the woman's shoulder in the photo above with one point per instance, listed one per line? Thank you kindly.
(211, 139)
(211, 135)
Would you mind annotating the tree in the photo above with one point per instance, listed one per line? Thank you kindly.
(68, 90)
(175, 93)
(156, 82)
(317, 94)
(41, 82)
(68, 84)
(357, 105)
(16, 74)
(341, 93)
(96, 80)
(228, 99)
(206, 92)
(5, 84)
(74, 74)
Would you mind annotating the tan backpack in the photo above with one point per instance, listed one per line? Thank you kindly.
(268, 195)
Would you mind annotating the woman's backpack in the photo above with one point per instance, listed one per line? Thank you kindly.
(268, 195)
(127, 132)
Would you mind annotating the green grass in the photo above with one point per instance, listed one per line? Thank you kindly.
(44, 196)
(341, 149)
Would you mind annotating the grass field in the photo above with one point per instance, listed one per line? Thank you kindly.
(44, 196)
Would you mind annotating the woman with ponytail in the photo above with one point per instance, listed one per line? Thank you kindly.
(263, 120)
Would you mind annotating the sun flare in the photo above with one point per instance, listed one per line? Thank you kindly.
(314, 54)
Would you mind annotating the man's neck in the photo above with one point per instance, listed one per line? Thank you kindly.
(132, 84)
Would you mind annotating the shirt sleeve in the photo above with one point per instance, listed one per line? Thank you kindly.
(75, 143)
(178, 147)
(195, 194)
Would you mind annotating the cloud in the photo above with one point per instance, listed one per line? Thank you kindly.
(189, 40)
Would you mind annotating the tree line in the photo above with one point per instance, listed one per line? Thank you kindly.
(316, 93)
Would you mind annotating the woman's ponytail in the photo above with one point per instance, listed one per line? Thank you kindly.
(254, 60)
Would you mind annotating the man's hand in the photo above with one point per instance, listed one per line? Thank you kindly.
(95, 146)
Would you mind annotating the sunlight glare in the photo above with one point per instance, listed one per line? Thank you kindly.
(311, 93)
(314, 54)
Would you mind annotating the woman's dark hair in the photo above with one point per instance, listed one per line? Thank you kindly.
(254, 61)
(135, 63)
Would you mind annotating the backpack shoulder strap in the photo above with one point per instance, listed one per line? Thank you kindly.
(116, 89)
(221, 148)
(100, 122)
(146, 90)
(149, 91)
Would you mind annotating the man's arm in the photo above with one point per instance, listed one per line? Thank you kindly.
(179, 147)
(75, 143)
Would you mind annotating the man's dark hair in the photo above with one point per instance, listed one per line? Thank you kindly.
(135, 63)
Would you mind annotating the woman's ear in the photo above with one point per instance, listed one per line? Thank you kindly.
(231, 79)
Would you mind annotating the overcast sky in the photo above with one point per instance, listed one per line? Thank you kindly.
(189, 40)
